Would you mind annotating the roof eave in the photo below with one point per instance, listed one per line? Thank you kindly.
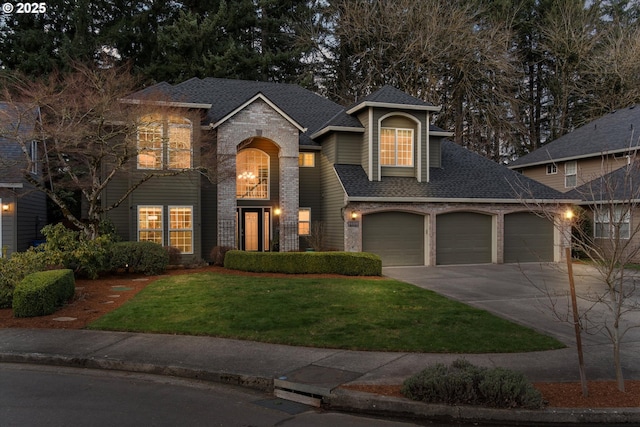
(167, 103)
(441, 133)
(569, 158)
(329, 129)
(11, 185)
(366, 104)
(458, 200)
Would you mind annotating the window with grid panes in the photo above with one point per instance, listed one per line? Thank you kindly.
(181, 228)
(396, 147)
(161, 138)
(150, 224)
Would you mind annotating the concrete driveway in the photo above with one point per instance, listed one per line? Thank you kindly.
(525, 294)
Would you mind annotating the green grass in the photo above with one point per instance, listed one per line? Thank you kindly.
(349, 313)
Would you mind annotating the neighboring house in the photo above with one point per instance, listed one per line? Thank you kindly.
(596, 164)
(23, 211)
(377, 176)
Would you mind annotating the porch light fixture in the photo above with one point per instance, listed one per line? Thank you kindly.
(277, 211)
(5, 208)
(354, 215)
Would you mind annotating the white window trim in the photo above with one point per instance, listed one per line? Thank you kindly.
(161, 208)
(169, 229)
(567, 174)
(166, 139)
(552, 169)
(139, 148)
(413, 147)
(34, 154)
(599, 217)
(165, 124)
(308, 222)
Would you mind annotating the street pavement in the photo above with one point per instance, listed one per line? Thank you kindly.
(518, 293)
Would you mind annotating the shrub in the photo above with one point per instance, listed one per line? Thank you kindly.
(39, 294)
(346, 263)
(218, 253)
(175, 255)
(16, 268)
(502, 388)
(71, 249)
(464, 383)
(139, 257)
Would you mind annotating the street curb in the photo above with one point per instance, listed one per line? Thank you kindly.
(373, 404)
(253, 382)
(350, 400)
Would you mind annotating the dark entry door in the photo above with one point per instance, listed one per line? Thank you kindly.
(255, 229)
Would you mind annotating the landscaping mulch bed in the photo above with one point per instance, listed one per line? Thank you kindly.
(95, 298)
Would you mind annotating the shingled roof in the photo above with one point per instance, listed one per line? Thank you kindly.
(307, 108)
(618, 186)
(618, 131)
(463, 175)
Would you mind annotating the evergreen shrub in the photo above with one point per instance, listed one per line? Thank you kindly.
(462, 383)
(345, 263)
(139, 257)
(16, 268)
(41, 293)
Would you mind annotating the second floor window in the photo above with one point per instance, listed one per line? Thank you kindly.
(164, 143)
(570, 174)
(396, 147)
(252, 179)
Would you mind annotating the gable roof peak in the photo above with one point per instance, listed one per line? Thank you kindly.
(390, 97)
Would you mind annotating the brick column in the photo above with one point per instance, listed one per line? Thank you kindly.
(289, 199)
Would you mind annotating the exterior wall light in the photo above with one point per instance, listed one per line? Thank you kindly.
(354, 215)
(277, 211)
(5, 208)
(568, 215)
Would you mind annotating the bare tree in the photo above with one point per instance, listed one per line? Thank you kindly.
(446, 52)
(606, 234)
(87, 137)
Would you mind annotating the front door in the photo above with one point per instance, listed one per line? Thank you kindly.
(254, 229)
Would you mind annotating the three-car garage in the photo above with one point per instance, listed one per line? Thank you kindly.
(460, 237)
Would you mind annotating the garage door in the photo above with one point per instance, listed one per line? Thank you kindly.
(398, 237)
(527, 238)
(463, 238)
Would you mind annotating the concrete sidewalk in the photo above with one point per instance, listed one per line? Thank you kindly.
(260, 366)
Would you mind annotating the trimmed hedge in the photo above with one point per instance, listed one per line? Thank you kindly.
(139, 257)
(465, 384)
(41, 293)
(346, 263)
(16, 268)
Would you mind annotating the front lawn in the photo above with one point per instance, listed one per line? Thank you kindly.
(349, 313)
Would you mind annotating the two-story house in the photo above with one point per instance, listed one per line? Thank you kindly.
(377, 175)
(23, 211)
(596, 164)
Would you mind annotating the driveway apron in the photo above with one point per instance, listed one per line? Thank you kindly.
(533, 295)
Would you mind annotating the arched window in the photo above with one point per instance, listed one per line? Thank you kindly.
(252, 174)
